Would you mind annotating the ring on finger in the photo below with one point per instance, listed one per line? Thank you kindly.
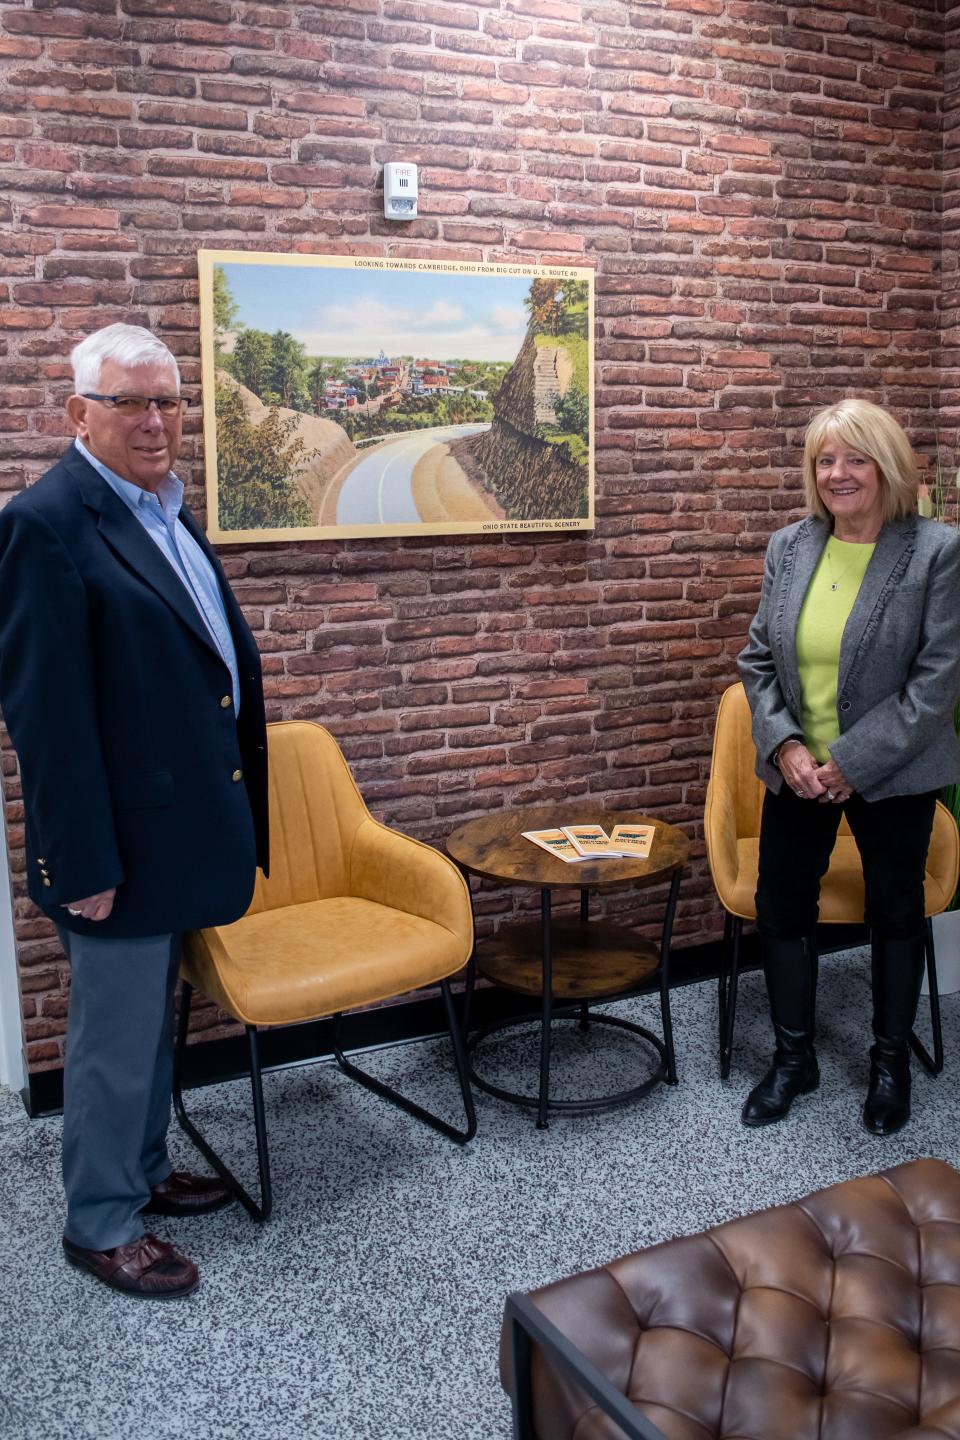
(830, 795)
(73, 912)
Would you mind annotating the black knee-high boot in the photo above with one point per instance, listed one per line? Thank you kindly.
(790, 968)
(897, 968)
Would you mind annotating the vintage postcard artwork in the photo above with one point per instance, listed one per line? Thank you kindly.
(356, 396)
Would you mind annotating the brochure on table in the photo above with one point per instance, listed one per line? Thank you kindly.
(573, 843)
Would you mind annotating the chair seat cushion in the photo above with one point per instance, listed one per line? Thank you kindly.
(306, 961)
(834, 1318)
(841, 889)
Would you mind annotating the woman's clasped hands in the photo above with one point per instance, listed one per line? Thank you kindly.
(808, 778)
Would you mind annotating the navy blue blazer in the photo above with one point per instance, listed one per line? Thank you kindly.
(136, 770)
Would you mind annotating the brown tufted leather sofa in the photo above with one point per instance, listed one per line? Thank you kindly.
(834, 1318)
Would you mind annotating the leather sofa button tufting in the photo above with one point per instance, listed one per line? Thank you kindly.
(740, 1321)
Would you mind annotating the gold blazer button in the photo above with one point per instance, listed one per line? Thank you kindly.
(226, 702)
(237, 775)
(47, 881)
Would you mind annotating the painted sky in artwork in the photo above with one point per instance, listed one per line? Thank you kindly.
(358, 313)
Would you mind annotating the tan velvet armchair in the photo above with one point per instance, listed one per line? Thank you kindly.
(732, 833)
(353, 914)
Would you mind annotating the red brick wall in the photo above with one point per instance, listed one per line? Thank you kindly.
(757, 186)
(950, 232)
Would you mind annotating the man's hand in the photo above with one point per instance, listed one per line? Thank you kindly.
(800, 770)
(95, 907)
(836, 788)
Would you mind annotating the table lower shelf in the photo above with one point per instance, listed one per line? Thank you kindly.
(589, 960)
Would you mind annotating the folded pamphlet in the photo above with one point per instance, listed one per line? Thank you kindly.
(591, 841)
(633, 841)
(557, 842)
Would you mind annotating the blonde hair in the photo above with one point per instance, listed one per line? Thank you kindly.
(871, 430)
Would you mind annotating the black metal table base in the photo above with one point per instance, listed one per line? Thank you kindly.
(588, 1103)
(549, 1011)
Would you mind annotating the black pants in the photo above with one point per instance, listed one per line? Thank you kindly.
(796, 840)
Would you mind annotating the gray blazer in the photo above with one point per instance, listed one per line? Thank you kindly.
(899, 676)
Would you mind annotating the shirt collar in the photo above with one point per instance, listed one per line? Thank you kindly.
(168, 497)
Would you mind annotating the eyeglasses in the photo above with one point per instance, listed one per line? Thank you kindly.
(139, 404)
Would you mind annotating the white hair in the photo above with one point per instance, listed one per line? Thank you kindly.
(127, 344)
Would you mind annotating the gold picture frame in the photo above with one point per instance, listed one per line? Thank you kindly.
(359, 396)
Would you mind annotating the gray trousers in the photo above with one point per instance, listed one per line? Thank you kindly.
(116, 1082)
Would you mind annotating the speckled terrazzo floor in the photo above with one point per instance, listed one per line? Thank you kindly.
(370, 1305)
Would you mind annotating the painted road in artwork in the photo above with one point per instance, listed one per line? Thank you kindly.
(378, 490)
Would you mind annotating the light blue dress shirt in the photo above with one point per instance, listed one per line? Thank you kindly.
(159, 515)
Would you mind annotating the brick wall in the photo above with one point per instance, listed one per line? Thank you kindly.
(757, 186)
(949, 410)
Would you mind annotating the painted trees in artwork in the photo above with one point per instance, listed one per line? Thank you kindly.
(257, 466)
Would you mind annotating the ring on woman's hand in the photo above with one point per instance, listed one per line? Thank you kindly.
(830, 795)
(799, 792)
(73, 912)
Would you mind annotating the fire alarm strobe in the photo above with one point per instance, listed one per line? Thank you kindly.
(399, 191)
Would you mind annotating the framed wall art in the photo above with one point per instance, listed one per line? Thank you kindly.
(353, 396)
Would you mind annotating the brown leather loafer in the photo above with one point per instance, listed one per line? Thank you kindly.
(185, 1194)
(148, 1268)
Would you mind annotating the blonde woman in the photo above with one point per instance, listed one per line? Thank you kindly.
(852, 671)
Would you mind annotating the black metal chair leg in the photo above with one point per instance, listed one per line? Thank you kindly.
(723, 981)
(468, 990)
(387, 1092)
(730, 1006)
(546, 1008)
(666, 939)
(933, 1064)
(260, 1124)
(259, 1211)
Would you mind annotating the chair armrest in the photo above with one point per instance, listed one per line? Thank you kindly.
(401, 872)
(525, 1325)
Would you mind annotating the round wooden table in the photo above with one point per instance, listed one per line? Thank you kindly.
(572, 961)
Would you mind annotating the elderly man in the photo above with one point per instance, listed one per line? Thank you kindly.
(131, 688)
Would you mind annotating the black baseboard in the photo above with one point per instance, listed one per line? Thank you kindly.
(214, 1061)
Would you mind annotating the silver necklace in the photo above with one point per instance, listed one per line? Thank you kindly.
(834, 577)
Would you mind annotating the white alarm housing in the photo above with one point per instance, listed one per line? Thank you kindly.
(399, 191)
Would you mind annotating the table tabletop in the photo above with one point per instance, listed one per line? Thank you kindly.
(494, 847)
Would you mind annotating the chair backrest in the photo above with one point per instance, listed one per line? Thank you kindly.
(315, 813)
(943, 861)
(733, 766)
(732, 814)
